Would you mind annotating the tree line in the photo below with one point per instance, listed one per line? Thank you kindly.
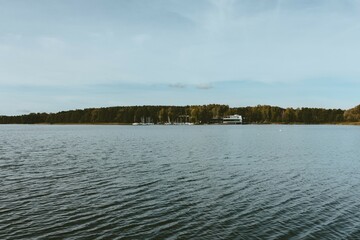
(198, 114)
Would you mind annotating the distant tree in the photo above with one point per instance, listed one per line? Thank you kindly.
(353, 114)
(196, 113)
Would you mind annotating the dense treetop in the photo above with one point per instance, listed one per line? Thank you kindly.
(353, 114)
(199, 114)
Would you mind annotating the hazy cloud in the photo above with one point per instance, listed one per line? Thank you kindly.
(177, 43)
(204, 86)
(24, 111)
(51, 42)
(141, 38)
(177, 85)
(210, 40)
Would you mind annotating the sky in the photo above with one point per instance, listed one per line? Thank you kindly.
(59, 55)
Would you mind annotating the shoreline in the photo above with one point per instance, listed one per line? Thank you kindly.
(130, 124)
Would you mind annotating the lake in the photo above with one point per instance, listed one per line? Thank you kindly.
(179, 182)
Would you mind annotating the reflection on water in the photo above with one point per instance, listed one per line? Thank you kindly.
(155, 182)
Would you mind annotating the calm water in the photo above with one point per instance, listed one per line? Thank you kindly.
(179, 182)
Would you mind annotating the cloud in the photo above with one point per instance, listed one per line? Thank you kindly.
(178, 44)
(51, 42)
(24, 111)
(215, 40)
(177, 85)
(140, 39)
(204, 86)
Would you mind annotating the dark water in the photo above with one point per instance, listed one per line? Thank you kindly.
(179, 182)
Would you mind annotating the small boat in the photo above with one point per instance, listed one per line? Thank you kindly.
(143, 122)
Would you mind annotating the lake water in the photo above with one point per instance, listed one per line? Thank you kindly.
(179, 182)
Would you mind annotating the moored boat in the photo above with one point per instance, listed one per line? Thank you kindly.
(233, 119)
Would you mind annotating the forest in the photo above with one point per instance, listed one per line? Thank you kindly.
(198, 114)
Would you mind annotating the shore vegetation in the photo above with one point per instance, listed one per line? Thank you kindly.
(198, 114)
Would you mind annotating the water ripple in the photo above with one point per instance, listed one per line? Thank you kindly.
(206, 182)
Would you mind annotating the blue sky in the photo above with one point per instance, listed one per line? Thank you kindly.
(59, 55)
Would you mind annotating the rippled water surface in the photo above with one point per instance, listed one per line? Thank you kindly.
(179, 182)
